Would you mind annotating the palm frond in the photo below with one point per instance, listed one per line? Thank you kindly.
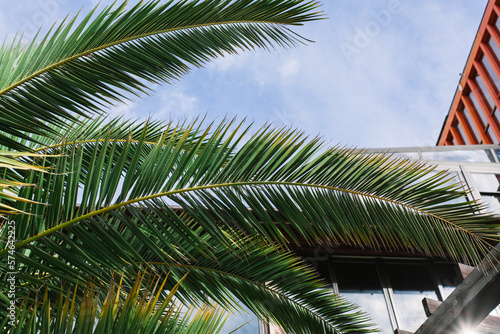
(11, 168)
(273, 189)
(77, 68)
(334, 195)
(149, 310)
(276, 287)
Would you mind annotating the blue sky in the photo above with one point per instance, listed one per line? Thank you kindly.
(381, 73)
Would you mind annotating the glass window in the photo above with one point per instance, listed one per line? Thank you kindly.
(470, 156)
(493, 202)
(360, 284)
(319, 261)
(410, 284)
(490, 155)
(405, 285)
(486, 182)
(497, 152)
(448, 277)
(488, 185)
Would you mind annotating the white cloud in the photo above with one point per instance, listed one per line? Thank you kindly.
(397, 90)
(289, 69)
(4, 29)
(176, 104)
(126, 110)
(229, 62)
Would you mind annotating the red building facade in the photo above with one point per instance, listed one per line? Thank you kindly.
(474, 116)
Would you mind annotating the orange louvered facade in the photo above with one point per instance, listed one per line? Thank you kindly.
(474, 116)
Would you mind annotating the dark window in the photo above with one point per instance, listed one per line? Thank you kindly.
(390, 291)
(410, 284)
(448, 276)
(359, 282)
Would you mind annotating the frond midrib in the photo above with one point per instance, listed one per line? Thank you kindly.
(228, 185)
(89, 141)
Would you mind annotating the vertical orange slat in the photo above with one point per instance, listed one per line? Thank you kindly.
(442, 138)
(495, 36)
(490, 14)
(491, 58)
(487, 82)
(496, 9)
(457, 136)
(485, 108)
(478, 123)
(469, 133)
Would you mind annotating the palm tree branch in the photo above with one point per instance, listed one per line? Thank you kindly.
(45, 148)
(68, 72)
(115, 43)
(222, 277)
(227, 185)
(86, 131)
(263, 286)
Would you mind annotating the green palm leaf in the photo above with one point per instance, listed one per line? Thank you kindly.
(212, 207)
(387, 203)
(11, 167)
(78, 68)
(274, 286)
(140, 311)
(276, 187)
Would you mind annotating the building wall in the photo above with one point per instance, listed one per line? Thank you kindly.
(393, 292)
(474, 117)
(390, 285)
